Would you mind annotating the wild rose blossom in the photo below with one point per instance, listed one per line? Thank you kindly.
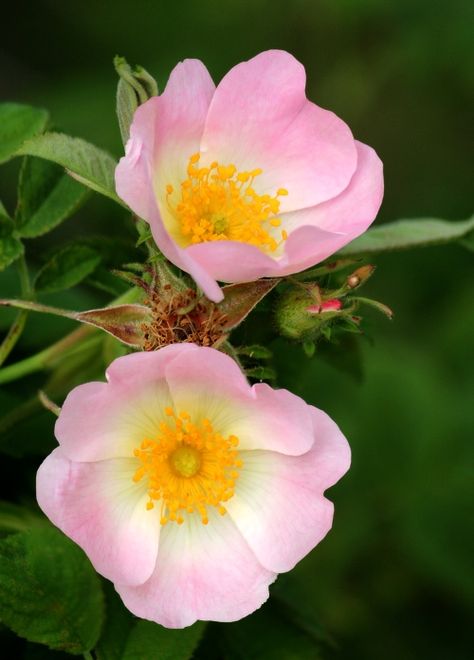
(187, 487)
(249, 179)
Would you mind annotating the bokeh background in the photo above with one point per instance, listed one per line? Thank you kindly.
(393, 580)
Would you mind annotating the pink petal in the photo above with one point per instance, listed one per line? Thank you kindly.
(204, 572)
(230, 261)
(102, 510)
(279, 505)
(318, 232)
(211, 384)
(108, 420)
(165, 131)
(260, 117)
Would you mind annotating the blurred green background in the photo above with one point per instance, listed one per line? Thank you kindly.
(393, 580)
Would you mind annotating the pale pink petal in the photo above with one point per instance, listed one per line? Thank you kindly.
(108, 420)
(279, 505)
(203, 572)
(165, 131)
(209, 384)
(231, 261)
(260, 117)
(280, 421)
(104, 511)
(342, 218)
(308, 245)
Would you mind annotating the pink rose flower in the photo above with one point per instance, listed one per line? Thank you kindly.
(187, 487)
(249, 179)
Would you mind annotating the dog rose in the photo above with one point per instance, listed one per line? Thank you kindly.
(186, 486)
(249, 179)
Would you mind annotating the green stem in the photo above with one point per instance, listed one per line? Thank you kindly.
(47, 358)
(88, 655)
(18, 325)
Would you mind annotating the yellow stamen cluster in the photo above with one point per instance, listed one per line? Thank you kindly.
(218, 203)
(189, 467)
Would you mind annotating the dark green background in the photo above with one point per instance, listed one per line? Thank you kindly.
(393, 580)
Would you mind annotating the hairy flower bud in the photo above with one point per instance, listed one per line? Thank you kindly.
(301, 314)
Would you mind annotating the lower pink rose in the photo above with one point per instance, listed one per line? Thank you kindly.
(186, 486)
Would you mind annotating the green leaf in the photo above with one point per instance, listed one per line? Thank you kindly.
(10, 249)
(67, 268)
(46, 197)
(49, 592)
(83, 161)
(10, 246)
(267, 635)
(117, 626)
(151, 641)
(405, 234)
(17, 124)
(16, 518)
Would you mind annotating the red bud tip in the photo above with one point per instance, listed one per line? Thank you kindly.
(333, 305)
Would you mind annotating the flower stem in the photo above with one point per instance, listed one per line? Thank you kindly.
(18, 325)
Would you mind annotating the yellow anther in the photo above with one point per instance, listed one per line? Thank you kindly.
(218, 203)
(284, 234)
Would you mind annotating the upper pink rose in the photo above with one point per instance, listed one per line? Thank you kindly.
(187, 487)
(249, 179)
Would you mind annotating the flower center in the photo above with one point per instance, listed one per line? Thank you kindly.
(185, 461)
(218, 203)
(188, 466)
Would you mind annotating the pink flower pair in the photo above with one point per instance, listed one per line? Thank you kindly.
(187, 487)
